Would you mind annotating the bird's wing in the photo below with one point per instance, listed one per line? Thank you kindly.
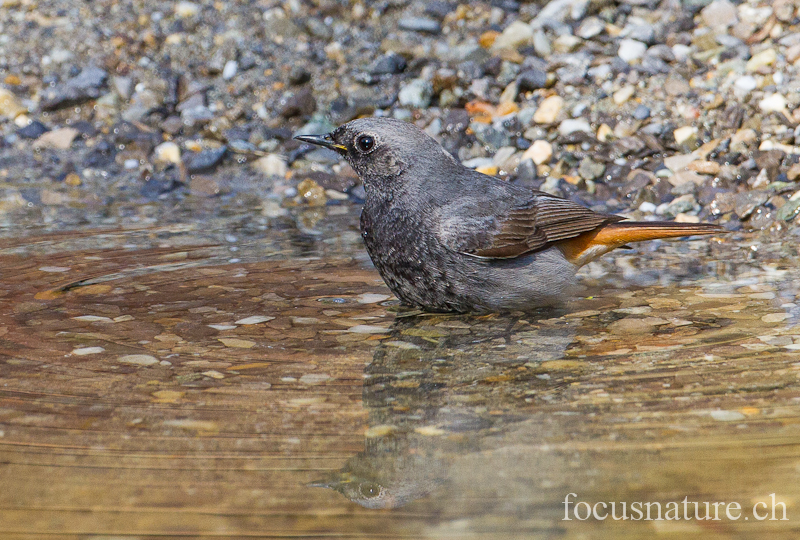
(502, 231)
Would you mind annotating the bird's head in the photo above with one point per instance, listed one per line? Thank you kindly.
(382, 148)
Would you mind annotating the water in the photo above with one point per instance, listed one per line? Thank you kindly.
(218, 371)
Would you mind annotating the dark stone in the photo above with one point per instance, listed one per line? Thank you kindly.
(532, 79)
(127, 133)
(388, 64)
(101, 155)
(299, 75)
(161, 183)
(33, 130)
(85, 86)
(438, 9)
(769, 160)
(84, 128)
(302, 103)
(204, 160)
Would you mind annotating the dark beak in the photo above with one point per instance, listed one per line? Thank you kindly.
(326, 141)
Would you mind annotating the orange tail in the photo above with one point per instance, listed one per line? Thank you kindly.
(590, 245)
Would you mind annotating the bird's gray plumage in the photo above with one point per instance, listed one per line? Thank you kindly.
(448, 238)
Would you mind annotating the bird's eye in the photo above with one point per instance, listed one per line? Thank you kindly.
(365, 143)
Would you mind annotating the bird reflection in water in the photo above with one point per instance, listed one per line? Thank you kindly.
(441, 388)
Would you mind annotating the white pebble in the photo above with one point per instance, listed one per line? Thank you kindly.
(630, 50)
(230, 69)
(138, 359)
(371, 298)
(167, 152)
(367, 329)
(727, 416)
(83, 351)
(773, 103)
(254, 319)
(571, 126)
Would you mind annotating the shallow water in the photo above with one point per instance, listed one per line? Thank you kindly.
(219, 372)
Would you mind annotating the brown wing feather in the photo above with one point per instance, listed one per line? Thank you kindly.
(542, 220)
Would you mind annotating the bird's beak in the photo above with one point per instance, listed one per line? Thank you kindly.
(326, 141)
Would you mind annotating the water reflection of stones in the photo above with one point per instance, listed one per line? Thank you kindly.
(440, 388)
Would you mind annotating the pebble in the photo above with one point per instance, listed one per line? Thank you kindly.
(548, 110)
(773, 103)
(388, 64)
(572, 125)
(727, 416)
(10, 106)
(416, 94)
(742, 139)
(83, 87)
(83, 351)
(623, 94)
(419, 24)
(167, 152)
(631, 50)
(685, 134)
(762, 59)
(204, 186)
(367, 329)
(746, 83)
(272, 165)
(204, 160)
(138, 359)
(230, 69)
(59, 139)
(237, 343)
(719, 14)
(33, 130)
(515, 35)
(641, 112)
(185, 10)
(540, 152)
(315, 378)
(532, 79)
(254, 319)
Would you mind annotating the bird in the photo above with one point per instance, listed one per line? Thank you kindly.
(447, 238)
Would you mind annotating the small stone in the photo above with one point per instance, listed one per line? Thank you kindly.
(604, 133)
(416, 94)
(167, 152)
(388, 64)
(532, 79)
(315, 378)
(214, 374)
(590, 27)
(83, 351)
(230, 69)
(641, 112)
(185, 10)
(205, 159)
(516, 35)
(685, 176)
(548, 110)
(60, 139)
(746, 83)
(491, 170)
(742, 139)
(679, 205)
(368, 329)
(371, 298)
(312, 193)
(789, 211)
(419, 24)
(685, 134)
(572, 125)
(727, 416)
(704, 167)
(719, 14)
(138, 359)
(10, 107)
(33, 130)
(623, 94)
(540, 152)
(746, 203)
(773, 103)
(237, 343)
(590, 169)
(254, 319)
(632, 325)
(299, 75)
(301, 103)
(271, 165)
(765, 58)
(631, 50)
(793, 174)
(83, 87)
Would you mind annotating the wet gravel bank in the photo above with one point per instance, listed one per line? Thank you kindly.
(671, 110)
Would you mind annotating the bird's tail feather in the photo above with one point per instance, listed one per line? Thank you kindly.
(590, 245)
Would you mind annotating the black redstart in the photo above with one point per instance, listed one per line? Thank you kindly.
(448, 238)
